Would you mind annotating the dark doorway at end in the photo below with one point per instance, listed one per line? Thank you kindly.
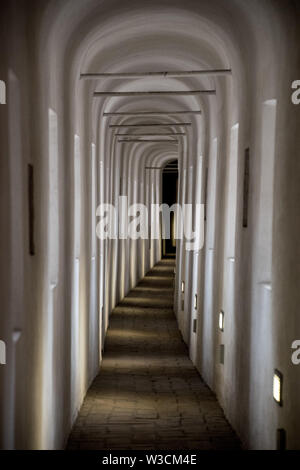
(170, 197)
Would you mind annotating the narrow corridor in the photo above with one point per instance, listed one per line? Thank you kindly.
(148, 394)
(131, 131)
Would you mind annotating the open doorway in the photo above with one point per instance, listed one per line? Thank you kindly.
(170, 197)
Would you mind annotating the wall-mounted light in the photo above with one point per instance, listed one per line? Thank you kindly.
(182, 287)
(221, 320)
(195, 302)
(277, 387)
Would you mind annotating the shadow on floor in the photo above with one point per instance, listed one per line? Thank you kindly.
(148, 395)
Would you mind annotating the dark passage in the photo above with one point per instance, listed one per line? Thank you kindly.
(170, 197)
(148, 395)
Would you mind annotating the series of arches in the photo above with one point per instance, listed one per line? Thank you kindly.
(58, 297)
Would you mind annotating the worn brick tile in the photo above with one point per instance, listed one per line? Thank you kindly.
(148, 395)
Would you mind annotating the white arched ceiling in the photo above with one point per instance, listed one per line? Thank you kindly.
(118, 36)
(125, 36)
(141, 38)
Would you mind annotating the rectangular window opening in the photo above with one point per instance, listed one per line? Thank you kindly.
(246, 188)
(31, 209)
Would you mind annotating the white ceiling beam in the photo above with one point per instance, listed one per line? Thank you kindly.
(147, 140)
(116, 94)
(164, 134)
(151, 113)
(163, 74)
(156, 124)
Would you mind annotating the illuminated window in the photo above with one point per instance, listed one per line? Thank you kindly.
(212, 189)
(75, 319)
(2, 353)
(2, 92)
(232, 192)
(246, 189)
(53, 212)
(265, 216)
(76, 195)
(93, 201)
(48, 392)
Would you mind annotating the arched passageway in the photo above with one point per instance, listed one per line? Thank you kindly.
(170, 198)
(96, 92)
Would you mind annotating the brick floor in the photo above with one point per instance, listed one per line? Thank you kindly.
(148, 395)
